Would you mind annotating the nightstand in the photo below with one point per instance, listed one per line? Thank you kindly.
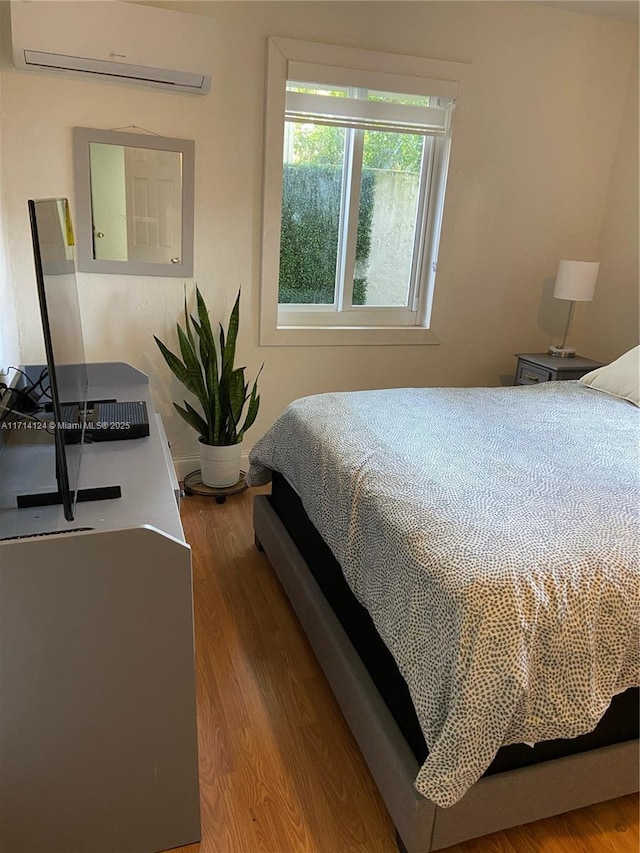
(535, 367)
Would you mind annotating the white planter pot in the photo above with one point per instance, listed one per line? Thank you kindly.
(220, 466)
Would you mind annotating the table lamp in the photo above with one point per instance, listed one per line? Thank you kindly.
(576, 281)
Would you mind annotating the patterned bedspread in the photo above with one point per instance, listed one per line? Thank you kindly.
(493, 536)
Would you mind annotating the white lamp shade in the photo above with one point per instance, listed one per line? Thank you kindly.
(576, 280)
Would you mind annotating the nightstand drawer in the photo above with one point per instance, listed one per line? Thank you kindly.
(531, 374)
(536, 367)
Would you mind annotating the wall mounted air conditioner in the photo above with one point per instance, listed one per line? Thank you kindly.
(106, 40)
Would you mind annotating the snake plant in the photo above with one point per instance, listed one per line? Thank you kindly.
(206, 370)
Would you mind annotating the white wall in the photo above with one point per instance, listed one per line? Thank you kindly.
(609, 326)
(535, 140)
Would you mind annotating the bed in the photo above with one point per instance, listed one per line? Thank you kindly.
(472, 593)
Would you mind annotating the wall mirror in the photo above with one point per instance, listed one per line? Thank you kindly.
(134, 203)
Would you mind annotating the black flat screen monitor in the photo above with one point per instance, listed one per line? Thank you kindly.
(52, 237)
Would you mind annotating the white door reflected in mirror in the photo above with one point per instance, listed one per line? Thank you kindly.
(136, 197)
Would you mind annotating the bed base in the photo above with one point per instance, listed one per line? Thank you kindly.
(494, 802)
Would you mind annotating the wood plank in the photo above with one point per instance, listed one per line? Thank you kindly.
(280, 770)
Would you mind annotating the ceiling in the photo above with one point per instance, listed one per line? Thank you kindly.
(622, 10)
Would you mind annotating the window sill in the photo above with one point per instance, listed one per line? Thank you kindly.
(309, 336)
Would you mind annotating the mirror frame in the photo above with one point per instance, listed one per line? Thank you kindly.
(82, 137)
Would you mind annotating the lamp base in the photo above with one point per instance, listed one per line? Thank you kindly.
(562, 352)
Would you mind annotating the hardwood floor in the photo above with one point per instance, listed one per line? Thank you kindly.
(279, 769)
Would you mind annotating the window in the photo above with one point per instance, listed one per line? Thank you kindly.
(355, 171)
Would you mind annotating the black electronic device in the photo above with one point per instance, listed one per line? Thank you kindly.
(104, 420)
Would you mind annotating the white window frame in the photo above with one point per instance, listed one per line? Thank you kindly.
(294, 325)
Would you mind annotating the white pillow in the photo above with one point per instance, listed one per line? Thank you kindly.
(621, 378)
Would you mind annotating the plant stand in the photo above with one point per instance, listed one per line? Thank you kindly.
(193, 485)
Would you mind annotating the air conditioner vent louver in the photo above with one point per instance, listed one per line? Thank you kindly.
(107, 68)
